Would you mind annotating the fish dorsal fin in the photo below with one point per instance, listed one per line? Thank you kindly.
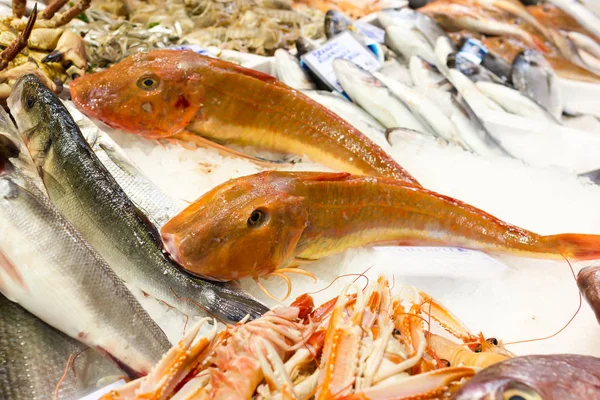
(326, 176)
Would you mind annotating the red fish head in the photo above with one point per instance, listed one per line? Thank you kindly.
(155, 94)
(240, 229)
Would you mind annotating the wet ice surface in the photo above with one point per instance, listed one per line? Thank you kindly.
(529, 299)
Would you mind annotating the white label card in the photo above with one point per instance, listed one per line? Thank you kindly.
(320, 61)
(449, 262)
(371, 31)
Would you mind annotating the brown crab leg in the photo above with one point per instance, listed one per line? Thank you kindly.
(19, 7)
(72, 12)
(52, 8)
(20, 43)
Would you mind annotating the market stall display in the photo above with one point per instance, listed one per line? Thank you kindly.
(177, 170)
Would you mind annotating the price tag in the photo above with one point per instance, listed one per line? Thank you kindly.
(344, 45)
(99, 393)
(473, 50)
(371, 31)
(448, 262)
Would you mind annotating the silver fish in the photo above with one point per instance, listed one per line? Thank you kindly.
(408, 42)
(374, 97)
(396, 70)
(400, 137)
(34, 356)
(533, 76)
(422, 106)
(424, 75)
(547, 377)
(515, 102)
(289, 71)
(50, 270)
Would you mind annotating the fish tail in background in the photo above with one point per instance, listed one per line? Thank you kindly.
(577, 247)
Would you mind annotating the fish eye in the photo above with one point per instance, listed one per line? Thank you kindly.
(147, 82)
(520, 392)
(493, 341)
(256, 218)
(29, 102)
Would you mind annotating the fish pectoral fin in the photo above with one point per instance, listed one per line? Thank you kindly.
(326, 176)
(52, 184)
(298, 261)
(188, 136)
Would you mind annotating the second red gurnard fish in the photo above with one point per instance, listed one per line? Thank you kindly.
(257, 224)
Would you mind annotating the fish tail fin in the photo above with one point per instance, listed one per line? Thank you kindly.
(575, 246)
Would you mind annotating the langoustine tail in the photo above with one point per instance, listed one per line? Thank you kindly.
(574, 246)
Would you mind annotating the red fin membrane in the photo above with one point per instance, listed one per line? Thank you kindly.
(11, 270)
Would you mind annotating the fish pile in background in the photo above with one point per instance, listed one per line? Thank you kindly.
(443, 84)
(117, 29)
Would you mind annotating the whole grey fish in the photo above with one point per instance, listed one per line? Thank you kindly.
(543, 377)
(533, 76)
(89, 197)
(155, 204)
(50, 270)
(34, 356)
(588, 281)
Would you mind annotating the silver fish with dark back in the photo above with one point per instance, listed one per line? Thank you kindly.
(49, 269)
(85, 192)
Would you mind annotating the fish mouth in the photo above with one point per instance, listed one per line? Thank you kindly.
(170, 247)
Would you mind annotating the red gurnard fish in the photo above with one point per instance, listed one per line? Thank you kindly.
(186, 96)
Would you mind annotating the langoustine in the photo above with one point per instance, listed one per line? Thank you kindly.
(362, 345)
(186, 96)
(267, 222)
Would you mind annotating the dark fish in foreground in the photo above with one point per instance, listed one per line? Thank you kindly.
(50, 270)
(185, 96)
(88, 196)
(34, 356)
(253, 225)
(537, 377)
(588, 281)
